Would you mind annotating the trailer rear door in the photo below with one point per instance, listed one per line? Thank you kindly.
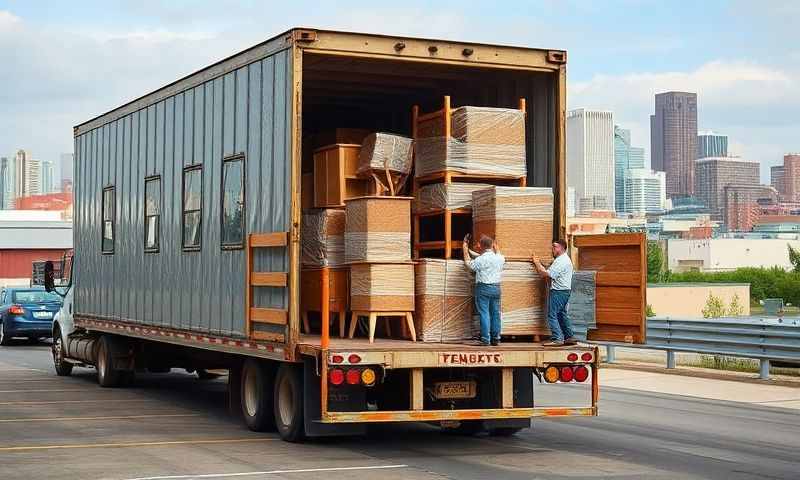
(620, 262)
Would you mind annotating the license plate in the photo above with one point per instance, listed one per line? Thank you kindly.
(451, 390)
(42, 315)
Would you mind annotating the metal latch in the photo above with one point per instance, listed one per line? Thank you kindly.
(557, 56)
(304, 35)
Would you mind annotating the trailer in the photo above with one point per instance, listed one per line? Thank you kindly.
(187, 238)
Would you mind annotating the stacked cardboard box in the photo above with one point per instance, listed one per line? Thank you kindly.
(322, 238)
(451, 196)
(443, 301)
(523, 300)
(382, 287)
(483, 141)
(383, 151)
(519, 218)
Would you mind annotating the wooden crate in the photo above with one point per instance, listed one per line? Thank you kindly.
(520, 219)
(382, 287)
(339, 288)
(335, 178)
(378, 229)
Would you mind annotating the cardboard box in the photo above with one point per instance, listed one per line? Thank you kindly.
(335, 178)
(444, 301)
(378, 229)
(489, 126)
(382, 287)
(523, 300)
(322, 238)
(519, 218)
(440, 196)
(382, 151)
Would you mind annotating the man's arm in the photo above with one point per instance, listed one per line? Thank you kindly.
(466, 253)
(539, 267)
(474, 254)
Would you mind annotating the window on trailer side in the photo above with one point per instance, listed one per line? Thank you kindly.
(233, 201)
(152, 214)
(192, 207)
(109, 199)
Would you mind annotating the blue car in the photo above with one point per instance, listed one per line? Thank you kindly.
(27, 312)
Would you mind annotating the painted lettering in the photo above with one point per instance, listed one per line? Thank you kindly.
(471, 358)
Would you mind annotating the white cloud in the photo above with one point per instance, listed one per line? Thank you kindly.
(745, 100)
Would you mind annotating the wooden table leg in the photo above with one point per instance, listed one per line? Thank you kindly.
(388, 326)
(353, 320)
(373, 318)
(342, 319)
(410, 324)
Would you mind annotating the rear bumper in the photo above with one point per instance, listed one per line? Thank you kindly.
(439, 415)
(15, 327)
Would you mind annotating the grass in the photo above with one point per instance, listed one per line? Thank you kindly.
(792, 311)
(734, 364)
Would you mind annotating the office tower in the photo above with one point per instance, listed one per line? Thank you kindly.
(673, 140)
(743, 205)
(710, 144)
(625, 157)
(715, 173)
(776, 179)
(5, 183)
(791, 177)
(590, 158)
(644, 191)
(48, 177)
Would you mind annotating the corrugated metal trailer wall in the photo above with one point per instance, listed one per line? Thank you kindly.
(246, 110)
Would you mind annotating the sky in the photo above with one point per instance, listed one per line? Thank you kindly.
(62, 63)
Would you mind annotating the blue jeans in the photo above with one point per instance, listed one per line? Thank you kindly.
(487, 303)
(557, 320)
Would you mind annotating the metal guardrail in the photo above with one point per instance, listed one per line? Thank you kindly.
(764, 339)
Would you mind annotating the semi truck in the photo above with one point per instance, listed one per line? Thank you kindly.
(187, 239)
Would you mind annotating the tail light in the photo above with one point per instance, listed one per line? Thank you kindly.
(368, 377)
(353, 358)
(16, 310)
(353, 376)
(586, 357)
(551, 374)
(581, 373)
(337, 359)
(337, 376)
(572, 357)
(566, 374)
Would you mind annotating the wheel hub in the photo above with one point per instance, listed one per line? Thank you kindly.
(251, 392)
(285, 401)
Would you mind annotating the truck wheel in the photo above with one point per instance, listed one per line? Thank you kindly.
(4, 339)
(504, 431)
(107, 375)
(289, 416)
(63, 367)
(257, 385)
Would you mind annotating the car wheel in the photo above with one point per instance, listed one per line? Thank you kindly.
(107, 375)
(256, 394)
(63, 368)
(289, 415)
(4, 339)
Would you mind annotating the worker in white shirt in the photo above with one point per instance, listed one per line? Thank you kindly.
(560, 275)
(488, 267)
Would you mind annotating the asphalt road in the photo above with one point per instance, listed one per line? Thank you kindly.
(176, 426)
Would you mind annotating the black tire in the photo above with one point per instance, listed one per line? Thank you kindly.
(256, 395)
(5, 340)
(127, 378)
(504, 431)
(63, 367)
(288, 402)
(107, 375)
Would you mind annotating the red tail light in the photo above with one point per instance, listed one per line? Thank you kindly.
(353, 376)
(353, 358)
(337, 359)
(337, 376)
(16, 310)
(581, 373)
(566, 374)
(586, 357)
(572, 357)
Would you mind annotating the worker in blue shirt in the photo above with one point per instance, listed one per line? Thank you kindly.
(488, 267)
(560, 276)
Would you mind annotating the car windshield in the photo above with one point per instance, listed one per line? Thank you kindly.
(35, 296)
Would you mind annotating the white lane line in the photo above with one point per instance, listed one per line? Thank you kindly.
(23, 448)
(58, 402)
(114, 417)
(271, 472)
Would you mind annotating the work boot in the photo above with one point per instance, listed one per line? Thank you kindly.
(571, 341)
(495, 342)
(553, 343)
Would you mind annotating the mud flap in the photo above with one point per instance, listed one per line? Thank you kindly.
(313, 408)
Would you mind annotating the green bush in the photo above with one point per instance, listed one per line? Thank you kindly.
(772, 282)
(714, 308)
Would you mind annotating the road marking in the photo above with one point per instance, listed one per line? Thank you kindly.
(134, 444)
(272, 472)
(47, 390)
(53, 402)
(115, 417)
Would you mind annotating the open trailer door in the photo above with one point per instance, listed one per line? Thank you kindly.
(620, 260)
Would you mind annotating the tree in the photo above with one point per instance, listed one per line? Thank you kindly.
(655, 261)
(735, 308)
(649, 311)
(794, 257)
(714, 308)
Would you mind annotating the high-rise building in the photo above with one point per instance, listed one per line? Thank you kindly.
(776, 179)
(67, 171)
(625, 158)
(743, 205)
(571, 203)
(5, 183)
(673, 140)
(590, 158)
(645, 191)
(791, 177)
(48, 177)
(713, 174)
(27, 175)
(710, 144)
